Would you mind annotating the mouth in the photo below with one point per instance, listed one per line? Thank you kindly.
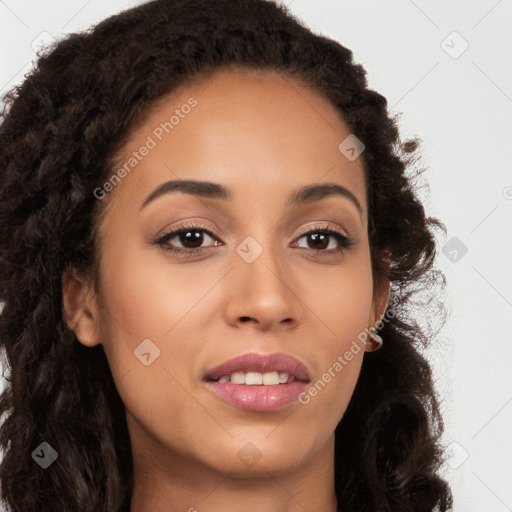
(256, 378)
(257, 369)
(259, 383)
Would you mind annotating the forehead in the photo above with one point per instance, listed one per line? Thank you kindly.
(255, 131)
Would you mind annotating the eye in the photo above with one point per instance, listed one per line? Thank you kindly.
(319, 237)
(191, 237)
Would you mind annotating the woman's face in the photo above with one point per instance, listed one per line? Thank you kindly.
(256, 283)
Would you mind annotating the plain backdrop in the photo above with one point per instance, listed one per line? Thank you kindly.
(446, 67)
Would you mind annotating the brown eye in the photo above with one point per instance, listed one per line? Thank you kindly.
(323, 239)
(191, 239)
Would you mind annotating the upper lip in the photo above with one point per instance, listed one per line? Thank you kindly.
(253, 362)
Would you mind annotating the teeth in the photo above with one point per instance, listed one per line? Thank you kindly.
(238, 378)
(252, 378)
(271, 378)
(283, 377)
(256, 378)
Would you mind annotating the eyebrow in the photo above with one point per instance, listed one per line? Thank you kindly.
(208, 189)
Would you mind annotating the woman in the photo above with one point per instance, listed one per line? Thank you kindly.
(205, 220)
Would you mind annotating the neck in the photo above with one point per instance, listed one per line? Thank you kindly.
(166, 481)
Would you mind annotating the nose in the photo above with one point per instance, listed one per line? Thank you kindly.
(260, 292)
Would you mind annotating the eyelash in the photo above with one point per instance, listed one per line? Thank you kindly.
(344, 241)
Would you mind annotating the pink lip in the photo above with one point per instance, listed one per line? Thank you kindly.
(259, 397)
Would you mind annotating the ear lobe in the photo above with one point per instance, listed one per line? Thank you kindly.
(79, 308)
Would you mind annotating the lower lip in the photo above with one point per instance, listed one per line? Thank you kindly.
(258, 397)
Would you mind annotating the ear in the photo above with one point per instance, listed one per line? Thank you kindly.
(80, 308)
(380, 298)
(379, 303)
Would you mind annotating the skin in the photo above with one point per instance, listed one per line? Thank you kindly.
(201, 311)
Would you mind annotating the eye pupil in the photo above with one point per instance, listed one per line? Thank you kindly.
(196, 239)
(316, 236)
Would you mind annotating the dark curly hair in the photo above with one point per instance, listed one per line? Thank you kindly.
(61, 131)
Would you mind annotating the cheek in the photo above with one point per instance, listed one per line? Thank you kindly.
(149, 341)
(146, 311)
(341, 301)
(149, 299)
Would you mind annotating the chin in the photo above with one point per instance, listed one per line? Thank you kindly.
(260, 468)
(258, 459)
